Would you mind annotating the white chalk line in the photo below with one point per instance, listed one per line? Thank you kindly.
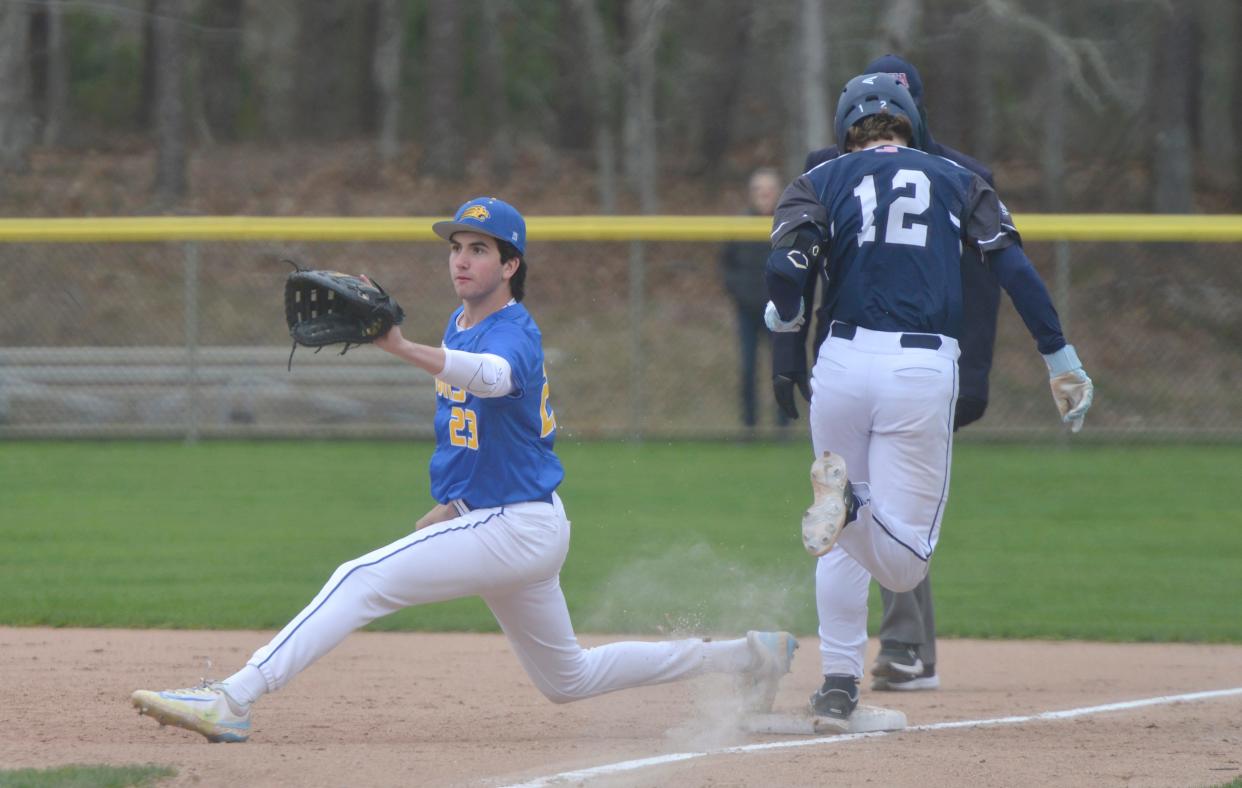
(660, 760)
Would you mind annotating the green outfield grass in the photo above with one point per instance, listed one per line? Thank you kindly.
(85, 777)
(1095, 542)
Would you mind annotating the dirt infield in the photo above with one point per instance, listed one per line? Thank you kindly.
(451, 709)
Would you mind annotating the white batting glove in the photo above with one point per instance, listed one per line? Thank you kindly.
(777, 326)
(1072, 390)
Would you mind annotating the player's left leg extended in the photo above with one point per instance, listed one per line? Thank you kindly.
(535, 619)
(468, 555)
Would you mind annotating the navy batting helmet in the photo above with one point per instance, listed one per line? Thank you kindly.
(873, 94)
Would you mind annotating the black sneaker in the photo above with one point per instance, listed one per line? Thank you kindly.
(927, 680)
(898, 667)
(837, 698)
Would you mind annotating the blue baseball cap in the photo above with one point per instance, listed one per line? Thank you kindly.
(489, 216)
(903, 70)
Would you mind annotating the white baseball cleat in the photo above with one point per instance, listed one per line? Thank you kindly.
(834, 504)
(204, 709)
(771, 655)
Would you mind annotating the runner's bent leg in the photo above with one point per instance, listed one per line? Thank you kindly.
(908, 460)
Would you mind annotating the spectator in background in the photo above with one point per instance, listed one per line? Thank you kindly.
(742, 263)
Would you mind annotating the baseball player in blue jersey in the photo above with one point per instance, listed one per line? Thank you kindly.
(498, 530)
(884, 226)
(907, 657)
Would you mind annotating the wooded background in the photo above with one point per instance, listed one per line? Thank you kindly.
(1082, 105)
(409, 107)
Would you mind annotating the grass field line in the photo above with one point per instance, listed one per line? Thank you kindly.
(610, 769)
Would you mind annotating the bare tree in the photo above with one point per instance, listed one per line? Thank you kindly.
(898, 30)
(644, 25)
(568, 91)
(145, 114)
(1080, 65)
(814, 73)
(602, 70)
(328, 97)
(56, 91)
(806, 89)
(219, 71)
(442, 148)
(1088, 72)
(16, 121)
(492, 79)
(1176, 67)
(271, 47)
(725, 57)
(386, 70)
(1052, 139)
(1219, 30)
(171, 160)
(984, 87)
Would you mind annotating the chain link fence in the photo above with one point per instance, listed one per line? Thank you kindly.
(187, 340)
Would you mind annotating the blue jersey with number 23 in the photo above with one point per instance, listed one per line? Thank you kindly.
(492, 451)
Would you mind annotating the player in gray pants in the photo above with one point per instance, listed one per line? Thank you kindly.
(907, 658)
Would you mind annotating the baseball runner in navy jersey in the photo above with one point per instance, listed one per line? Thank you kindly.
(499, 529)
(907, 657)
(884, 226)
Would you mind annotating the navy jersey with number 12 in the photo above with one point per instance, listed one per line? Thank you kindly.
(896, 219)
(492, 451)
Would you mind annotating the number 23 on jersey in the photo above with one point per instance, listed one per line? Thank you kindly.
(463, 425)
(463, 428)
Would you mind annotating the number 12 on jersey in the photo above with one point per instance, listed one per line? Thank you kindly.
(901, 210)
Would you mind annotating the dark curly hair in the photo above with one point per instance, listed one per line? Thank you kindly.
(517, 283)
(878, 127)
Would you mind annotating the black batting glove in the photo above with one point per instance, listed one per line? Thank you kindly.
(783, 389)
(789, 370)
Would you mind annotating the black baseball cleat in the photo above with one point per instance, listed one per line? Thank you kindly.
(837, 698)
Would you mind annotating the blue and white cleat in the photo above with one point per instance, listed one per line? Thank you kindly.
(772, 655)
(204, 709)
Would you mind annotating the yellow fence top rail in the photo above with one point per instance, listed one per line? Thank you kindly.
(1034, 227)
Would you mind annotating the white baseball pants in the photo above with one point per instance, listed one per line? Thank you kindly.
(887, 409)
(510, 556)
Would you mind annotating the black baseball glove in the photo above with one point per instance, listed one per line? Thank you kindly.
(329, 308)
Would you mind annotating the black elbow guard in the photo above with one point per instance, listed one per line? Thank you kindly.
(796, 253)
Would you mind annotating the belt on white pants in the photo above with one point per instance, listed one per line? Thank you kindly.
(893, 341)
